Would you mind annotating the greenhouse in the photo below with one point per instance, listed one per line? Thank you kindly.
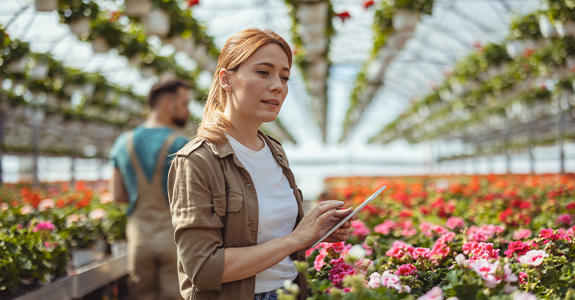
(144, 155)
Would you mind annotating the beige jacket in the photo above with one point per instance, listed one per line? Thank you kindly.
(214, 206)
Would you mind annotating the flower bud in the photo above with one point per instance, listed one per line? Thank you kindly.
(300, 266)
(370, 241)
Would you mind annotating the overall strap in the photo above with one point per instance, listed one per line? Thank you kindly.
(140, 175)
(161, 160)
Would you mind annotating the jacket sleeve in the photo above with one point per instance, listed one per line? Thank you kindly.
(196, 225)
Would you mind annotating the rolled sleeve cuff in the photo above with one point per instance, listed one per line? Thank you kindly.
(209, 278)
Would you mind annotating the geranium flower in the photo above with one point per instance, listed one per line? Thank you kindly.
(533, 258)
(44, 226)
(46, 204)
(71, 219)
(517, 247)
(26, 209)
(106, 198)
(461, 260)
(359, 229)
(398, 249)
(406, 270)
(368, 3)
(480, 251)
(418, 253)
(4, 206)
(97, 214)
(524, 296)
(355, 253)
(436, 293)
(319, 261)
(455, 222)
(343, 16)
(386, 227)
(340, 270)
(521, 234)
(388, 280)
(564, 220)
(523, 277)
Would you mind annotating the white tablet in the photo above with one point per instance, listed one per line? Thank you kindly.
(336, 226)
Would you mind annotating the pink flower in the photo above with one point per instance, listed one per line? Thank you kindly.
(533, 258)
(340, 270)
(524, 296)
(319, 260)
(444, 239)
(439, 251)
(26, 209)
(430, 229)
(461, 260)
(4, 206)
(418, 253)
(385, 228)
(487, 271)
(436, 293)
(97, 214)
(106, 198)
(71, 219)
(406, 270)
(455, 222)
(521, 234)
(517, 247)
(523, 277)
(398, 249)
(44, 226)
(359, 229)
(46, 204)
(483, 233)
(478, 251)
(547, 234)
(564, 220)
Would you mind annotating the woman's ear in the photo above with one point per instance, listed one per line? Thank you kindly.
(225, 80)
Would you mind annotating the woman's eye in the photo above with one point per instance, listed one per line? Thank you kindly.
(263, 72)
(285, 79)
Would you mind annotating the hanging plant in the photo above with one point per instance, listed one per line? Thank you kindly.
(137, 8)
(547, 29)
(105, 35)
(343, 16)
(45, 5)
(157, 22)
(78, 15)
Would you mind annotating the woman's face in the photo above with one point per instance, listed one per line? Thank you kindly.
(259, 87)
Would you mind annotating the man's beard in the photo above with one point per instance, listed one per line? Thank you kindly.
(179, 122)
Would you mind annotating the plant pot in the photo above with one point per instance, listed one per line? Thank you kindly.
(119, 247)
(316, 13)
(570, 63)
(515, 49)
(148, 72)
(566, 28)
(317, 70)
(82, 257)
(312, 32)
(46, 5)
(99, 45)
(18, 66)
(39, 72)
(137, 8)
(404, 20)
(157, 22)
(546, 28)
(80, 27)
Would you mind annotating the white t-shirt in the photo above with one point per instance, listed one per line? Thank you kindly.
(277, 209)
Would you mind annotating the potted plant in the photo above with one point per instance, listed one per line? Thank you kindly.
(157, 22)
(137, 8)
(77, 15)
(45, 5)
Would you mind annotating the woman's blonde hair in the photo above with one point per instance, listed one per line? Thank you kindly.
(235, 52)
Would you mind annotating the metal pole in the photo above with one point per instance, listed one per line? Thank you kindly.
(36, 144)
(531, 141)
(560, 134)
(73, 157)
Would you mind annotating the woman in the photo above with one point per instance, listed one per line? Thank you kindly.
(236, 209)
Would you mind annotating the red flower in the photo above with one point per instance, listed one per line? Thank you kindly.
(517, 247)
(343, 16)
(193, 2)
(406, 270)
(367, 4)
(60, 203)
(115, 16)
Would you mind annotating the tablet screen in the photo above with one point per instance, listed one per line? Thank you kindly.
(339, 223)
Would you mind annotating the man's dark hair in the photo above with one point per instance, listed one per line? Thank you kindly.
(165, 87)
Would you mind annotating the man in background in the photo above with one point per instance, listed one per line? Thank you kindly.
(141, 161)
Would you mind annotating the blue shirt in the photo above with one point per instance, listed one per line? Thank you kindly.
(147, 144)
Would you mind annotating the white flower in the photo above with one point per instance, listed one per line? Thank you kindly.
(71, 219)
(524, 296)
(97, 214)
(26, 209)
(356, 253)
(106, 198)
(374, 280)
(46, 204)
(462, 260)
(436, 293)
(4, 206)
(486, 271)
(533, 258)
(508, 274)
(508, 289)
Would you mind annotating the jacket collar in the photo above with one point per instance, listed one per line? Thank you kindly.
(225, 148)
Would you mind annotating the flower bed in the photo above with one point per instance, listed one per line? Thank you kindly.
(480, 237)
(41, 228)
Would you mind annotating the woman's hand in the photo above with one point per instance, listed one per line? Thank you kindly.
(342, 233)
(308, 228)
